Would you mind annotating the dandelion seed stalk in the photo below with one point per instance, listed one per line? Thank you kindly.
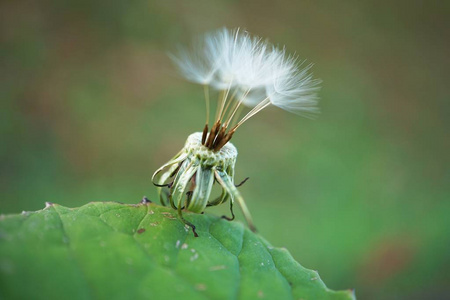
(244, 72)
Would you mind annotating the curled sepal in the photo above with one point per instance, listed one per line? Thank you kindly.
(204, 181)
(182, 155)
(162, 179)
(170, 167)
(184, 175)
(228, 184)
(224, 196)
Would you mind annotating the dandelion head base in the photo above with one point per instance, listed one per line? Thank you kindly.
(188, 179)
(224, 158)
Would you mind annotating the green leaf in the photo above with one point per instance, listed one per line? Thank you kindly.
(118, 251)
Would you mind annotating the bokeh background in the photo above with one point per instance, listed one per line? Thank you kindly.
(91, 105)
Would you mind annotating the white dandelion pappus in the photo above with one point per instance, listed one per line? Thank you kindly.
(200, 64)
(294, 89)
(246, 72)
(244, 63)
(290, 88)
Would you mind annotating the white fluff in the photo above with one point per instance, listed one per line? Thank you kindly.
(254, 69)
(294, 89)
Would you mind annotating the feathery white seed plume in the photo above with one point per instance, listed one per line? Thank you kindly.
(254, 69)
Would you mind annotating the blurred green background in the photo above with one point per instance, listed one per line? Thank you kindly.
(91, 105)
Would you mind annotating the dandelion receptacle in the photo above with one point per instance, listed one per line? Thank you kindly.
(246, 75)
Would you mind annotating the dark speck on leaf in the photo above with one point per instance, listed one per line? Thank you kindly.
(141, 230)
(145, 200)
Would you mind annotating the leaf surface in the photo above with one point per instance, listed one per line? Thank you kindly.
(107, 250)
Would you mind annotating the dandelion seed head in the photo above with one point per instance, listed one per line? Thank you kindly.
(243, 72)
